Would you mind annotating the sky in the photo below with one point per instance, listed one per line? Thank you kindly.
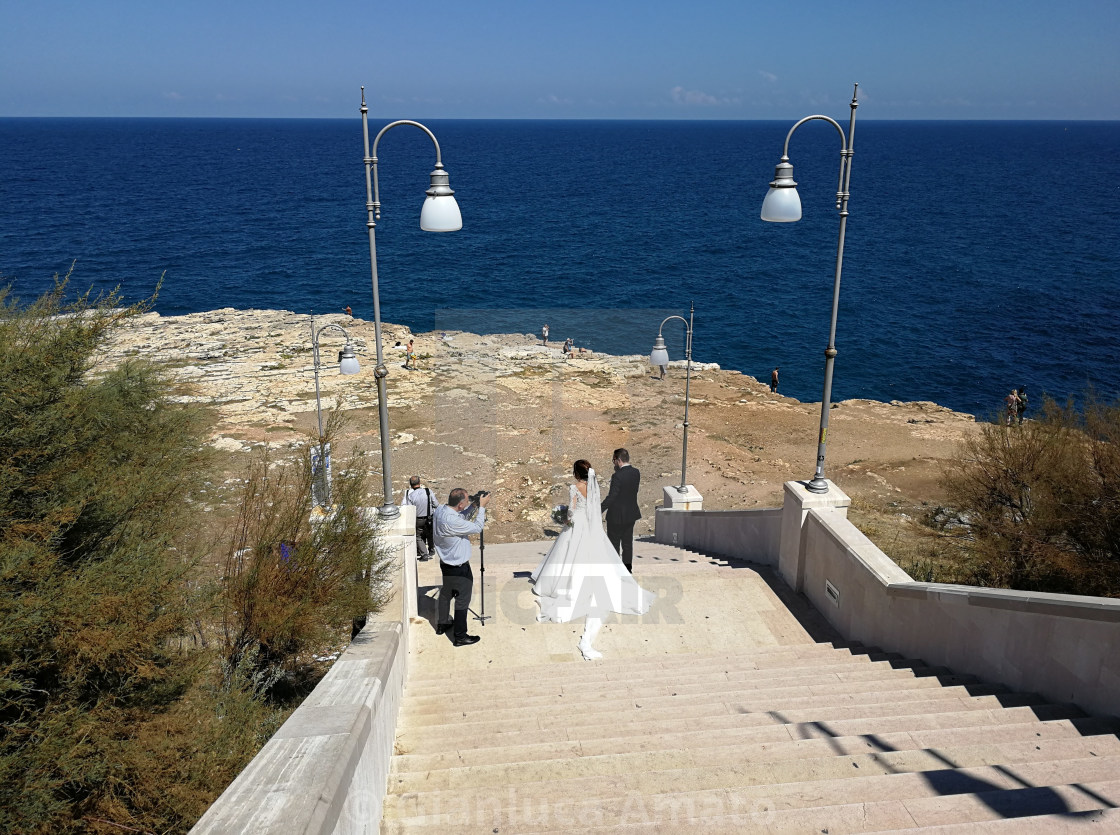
(530, 59)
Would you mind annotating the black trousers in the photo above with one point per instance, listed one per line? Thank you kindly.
(621, 535)
(424, 535)
(458, 583)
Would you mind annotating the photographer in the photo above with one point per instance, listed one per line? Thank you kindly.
(451, 530)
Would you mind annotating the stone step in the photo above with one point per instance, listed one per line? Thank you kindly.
(1097, 820)
(910, 753)
(461, 755)
(927, 702)
(758, 788)
(433, 743)
(613, 668)
(733, 701)
(584, 673)
(755, 804)
(845, 671)
(1011, 803)
(874, 816)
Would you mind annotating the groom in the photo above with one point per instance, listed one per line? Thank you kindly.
(621, 505)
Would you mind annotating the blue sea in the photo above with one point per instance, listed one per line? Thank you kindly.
(980, 255)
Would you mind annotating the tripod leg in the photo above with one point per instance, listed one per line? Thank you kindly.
(482, 578)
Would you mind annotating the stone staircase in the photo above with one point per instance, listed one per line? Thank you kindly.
(820, 737)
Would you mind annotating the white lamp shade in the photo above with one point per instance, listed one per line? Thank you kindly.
(347, 362)
(782, 205)
(440, 214)
(659, 357)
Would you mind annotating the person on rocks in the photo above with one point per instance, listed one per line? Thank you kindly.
(1012, 405)
(774, 381)
(1022, 408)
(421, 498)
(582, 575)
(544, 335)
(451, 530)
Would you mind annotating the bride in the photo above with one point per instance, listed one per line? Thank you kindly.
(582, 574)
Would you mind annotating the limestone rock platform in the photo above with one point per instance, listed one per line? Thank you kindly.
(730, 707)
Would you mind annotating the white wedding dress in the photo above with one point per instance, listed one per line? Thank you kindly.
(582, 574)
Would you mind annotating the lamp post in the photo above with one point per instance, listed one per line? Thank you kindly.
(440, 213)
(782, 205)
(660, 356)
(347, 364)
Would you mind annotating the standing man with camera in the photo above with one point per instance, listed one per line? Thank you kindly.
(621, 505)
(422, 499)
(453, 525)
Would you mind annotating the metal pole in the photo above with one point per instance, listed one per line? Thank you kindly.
(326, 485)
(324, 488)
(373, 211)
(818, 484)
(388, 510)
(482, 617)
(687, 380)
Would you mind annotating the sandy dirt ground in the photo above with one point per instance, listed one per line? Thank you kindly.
(503, 413)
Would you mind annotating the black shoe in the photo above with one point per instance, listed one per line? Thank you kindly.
(465, 640)
(444, 627)
(424, 558)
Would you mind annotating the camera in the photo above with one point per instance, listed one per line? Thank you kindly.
(475, 497)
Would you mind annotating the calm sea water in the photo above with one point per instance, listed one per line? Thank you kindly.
(980, 255)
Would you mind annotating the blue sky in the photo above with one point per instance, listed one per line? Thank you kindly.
(940, 59)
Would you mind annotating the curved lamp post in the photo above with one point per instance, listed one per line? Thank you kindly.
(440, 213)
(660, 356)
(782, 205)
(347, 364)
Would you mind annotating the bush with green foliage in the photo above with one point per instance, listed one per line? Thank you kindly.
(293, 575)
(118, 708)
(94, 474)
(1037, 507)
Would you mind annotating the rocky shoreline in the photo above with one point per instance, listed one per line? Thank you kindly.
(504, 412)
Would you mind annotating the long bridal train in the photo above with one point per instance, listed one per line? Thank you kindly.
(582, 575)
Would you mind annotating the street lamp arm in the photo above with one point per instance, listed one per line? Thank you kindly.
(670, 318)
(845, 154)
(372, 160)
(829, 119)
(327, 327)
(432, 136)
(374, 205)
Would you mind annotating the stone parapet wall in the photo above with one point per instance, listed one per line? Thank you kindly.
(1063, 647)
(752, 535)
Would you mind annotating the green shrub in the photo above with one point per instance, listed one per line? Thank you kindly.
(294, 578)
(94, 476)
(133, 687)
(1037, 506)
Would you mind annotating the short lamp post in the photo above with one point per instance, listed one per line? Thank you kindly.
(658, 357)
(782, 205)
(440, 213)
(347, 364)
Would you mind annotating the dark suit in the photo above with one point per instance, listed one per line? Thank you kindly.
(621, 505)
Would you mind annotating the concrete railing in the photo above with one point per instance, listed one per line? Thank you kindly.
(1063, 647)
(752, 535)
(325, 771)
